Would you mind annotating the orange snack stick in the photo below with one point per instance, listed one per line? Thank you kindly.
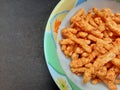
(95, 81)
(79, 50)
(63, 47)
(87, 75)
(82, 34)
(103, 59)
(103, 14)
(78, 70)
(111, 75)
(116, 19)
(98, 21)
(82, 61)
(113, 28)
(117, 81)
(111, 85)
(84, 54)
(68, 32)
(102, 71)
(76, 17)
(92, 22)
(82, 44)
(86, 27)
(88, 16)
(75, 56)
(95, 39)
(116, 62)
(101, 27)
(66, 42)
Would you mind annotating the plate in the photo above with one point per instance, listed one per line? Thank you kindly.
(56, 62)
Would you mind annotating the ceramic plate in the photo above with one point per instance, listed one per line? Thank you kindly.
(56, 61)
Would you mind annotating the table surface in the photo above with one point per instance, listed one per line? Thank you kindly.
(22, 61)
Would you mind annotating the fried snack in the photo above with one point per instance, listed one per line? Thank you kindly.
(66, 42)
(80, 70)
(89, 29)
(104, 43)
(88, 16)
(103, 14)
(87, 76)
(96, 80)
(82, 34)
(116, 62)
(102, 71)
(82, 44)
(111, 75)
(77, 16)
(92, 22)
(92, 41)
(109, 83)
(113, 28)
(82, 61)
(103, 59)
(116, 19)
(117, 81)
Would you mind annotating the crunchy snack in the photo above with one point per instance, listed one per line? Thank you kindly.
(92, 41)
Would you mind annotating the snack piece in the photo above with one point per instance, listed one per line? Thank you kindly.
(77, 16)
(96, 80)
(92, 41)
(113, 28)
(103, 59)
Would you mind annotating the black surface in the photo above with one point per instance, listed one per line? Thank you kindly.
(22, 62)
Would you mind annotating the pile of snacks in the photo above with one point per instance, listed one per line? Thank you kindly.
(92, 41)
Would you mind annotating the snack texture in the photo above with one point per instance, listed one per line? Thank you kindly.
(92, 41)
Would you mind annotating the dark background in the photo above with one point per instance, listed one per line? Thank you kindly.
(22, 62)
